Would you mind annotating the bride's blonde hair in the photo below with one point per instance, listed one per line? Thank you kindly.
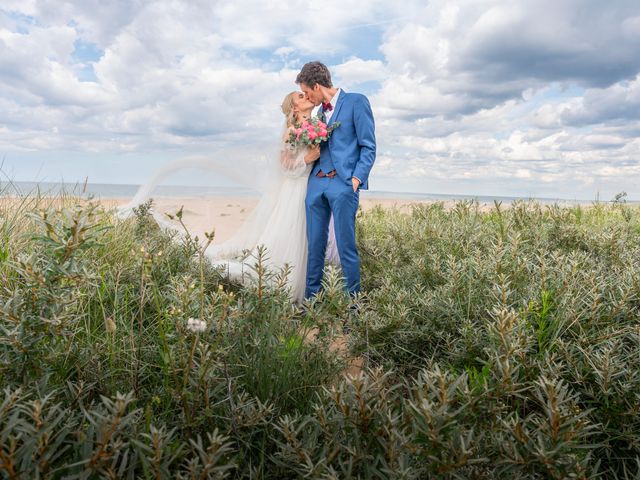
(287, 108)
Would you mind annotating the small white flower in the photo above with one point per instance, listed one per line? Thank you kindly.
(196, 325)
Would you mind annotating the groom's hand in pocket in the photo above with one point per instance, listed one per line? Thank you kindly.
(356, 183)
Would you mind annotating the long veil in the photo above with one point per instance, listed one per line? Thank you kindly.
(250, 172)
(262, 174)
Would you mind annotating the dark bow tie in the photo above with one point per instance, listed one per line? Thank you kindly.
(327, 107)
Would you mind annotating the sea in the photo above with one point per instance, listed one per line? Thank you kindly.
(109, 190)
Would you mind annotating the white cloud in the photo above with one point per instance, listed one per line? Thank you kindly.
(472, 93)
(356, 70)
(619, 102)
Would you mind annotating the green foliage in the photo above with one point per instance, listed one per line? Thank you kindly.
(519, 298)
(498, 342)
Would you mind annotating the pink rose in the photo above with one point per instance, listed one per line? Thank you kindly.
(312, 135)
(323, 132)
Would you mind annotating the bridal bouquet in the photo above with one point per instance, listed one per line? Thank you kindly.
(311, 132)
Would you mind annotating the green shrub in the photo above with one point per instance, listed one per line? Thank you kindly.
(497, 342)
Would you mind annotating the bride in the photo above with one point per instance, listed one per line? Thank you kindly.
(278, 222)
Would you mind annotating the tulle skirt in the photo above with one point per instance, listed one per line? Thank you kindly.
(279, 224)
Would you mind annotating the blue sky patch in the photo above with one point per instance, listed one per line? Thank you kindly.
(22, 22)
(86, 51)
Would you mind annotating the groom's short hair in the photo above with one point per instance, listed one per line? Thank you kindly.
(314, 72)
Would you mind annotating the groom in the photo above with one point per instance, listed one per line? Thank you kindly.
(339, 174)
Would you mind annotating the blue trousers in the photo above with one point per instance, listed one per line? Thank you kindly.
(324, 197)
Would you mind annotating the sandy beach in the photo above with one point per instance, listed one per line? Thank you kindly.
(226, 214)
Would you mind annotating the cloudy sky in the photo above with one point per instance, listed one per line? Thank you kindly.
(488, 97)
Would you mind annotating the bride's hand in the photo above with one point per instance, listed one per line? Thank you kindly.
(312, 155)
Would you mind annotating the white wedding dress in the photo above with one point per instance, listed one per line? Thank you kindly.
(278, 221)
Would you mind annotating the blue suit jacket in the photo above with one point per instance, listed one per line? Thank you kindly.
(352, 145)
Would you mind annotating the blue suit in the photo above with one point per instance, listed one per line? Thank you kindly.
(351, 152)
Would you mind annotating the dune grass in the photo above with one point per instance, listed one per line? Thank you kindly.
(496, 344)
